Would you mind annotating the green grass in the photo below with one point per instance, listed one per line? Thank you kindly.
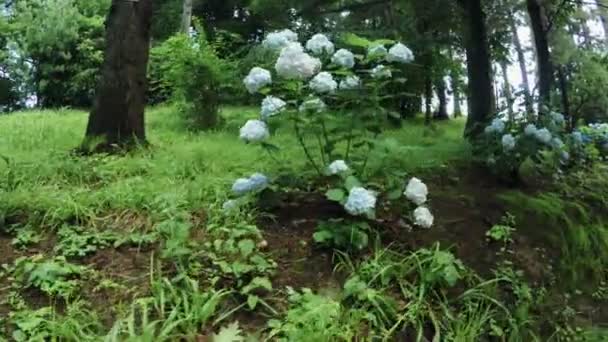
(203, 268)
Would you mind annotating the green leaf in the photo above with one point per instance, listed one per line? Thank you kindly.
(336, 195)
(258, 283)
(252, 301)
(323, 236)
(246, 247)
(395, 194)
(231, 333)
(351, 182)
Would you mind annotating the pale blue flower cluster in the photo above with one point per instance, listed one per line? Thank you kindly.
(319, 44)
(497, 126)
(508, 142)
(255, 183)
(360, 201)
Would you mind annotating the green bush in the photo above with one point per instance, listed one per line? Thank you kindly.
(187, 71)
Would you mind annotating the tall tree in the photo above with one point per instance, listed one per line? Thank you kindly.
(479, 68)
(521, 59)
(602, 6)
(442, 109)
(186, 16)
(117, 117)
(540, 27)
(507, 88)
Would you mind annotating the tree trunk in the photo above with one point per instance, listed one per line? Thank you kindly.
(186, 16)
(117, 117)
(540, 28)
(428, 99)
(442, 111)
(602, 6)
(507, 89)
(521, 58)
(563, 89)
(479, 69)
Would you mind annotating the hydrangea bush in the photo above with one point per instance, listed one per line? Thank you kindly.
(331, 95)
(506, 146)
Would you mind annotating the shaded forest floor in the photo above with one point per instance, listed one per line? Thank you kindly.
(90, 244)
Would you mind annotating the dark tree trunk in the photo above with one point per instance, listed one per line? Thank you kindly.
(428, 99)
(563, 89)
(521, 58)
(602, 6)
(186, 16)
(507, 89)
(540, 28)
(117, 118)
(456, 84)
(442, 111)
(479, 69)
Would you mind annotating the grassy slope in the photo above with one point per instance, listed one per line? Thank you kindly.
(46, 188)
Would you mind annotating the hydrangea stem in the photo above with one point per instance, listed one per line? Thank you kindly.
(304, 147)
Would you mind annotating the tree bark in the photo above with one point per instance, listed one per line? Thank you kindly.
(441, 89)
(507, 89)
(563, 89)
(117, 117)
(428, 99)
(521, 58)
(602, 6)
(186, 16)
(540, 28)
(480, 89)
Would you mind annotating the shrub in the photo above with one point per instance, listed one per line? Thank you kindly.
(187, 70)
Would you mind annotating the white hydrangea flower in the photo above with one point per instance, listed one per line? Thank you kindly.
(360, 201)
(400, 53)
(337, 167)
(530, 130)
(259, 181)
(578, 138)
(272, 106)
(323, 83)
(381, 71)
(313, 105)
(508, 142)
(230, 205)
(256, 182)
(294, 64)
(320, 44)
(416, 191)
(279, 39)
(254, 131)
(344, 58)
(242, 186)
(377, 50)
(497, 126)
(543, 135)
(350, 82)
(565, 156)
(257, 79)
(558, 118)
(423, 217)
(557, 143)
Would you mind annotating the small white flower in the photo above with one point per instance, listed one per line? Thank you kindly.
(230, 205)
(544, 136)
(242, 186)
(279, 39)
(423, 217)
(256, 182)
(557, 143)
(323, 83)
(313, 105)
(416, 191)
(381, 71)
(497, 126)
(320, 44)
(530, 130)
(272, 106)
(350, 82)
(344, 58)
(376, 50)
(360, 201)
(338, 167)
(294, 64)
(259, 181)
(257, 79)
(508, 142)
(400, 53)
(254, 131)
(565, 156)
(558, 118)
